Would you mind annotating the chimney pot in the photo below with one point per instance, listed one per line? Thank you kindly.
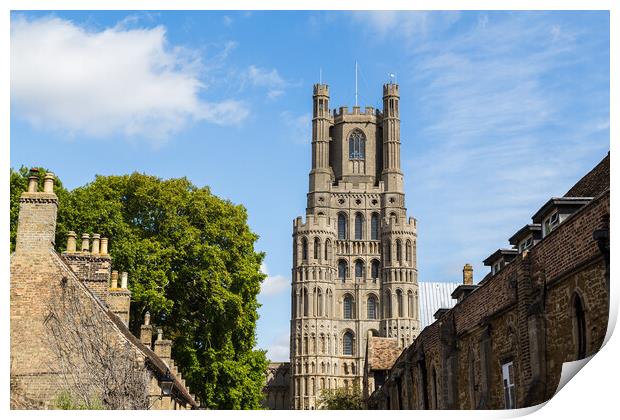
(124, 280)
(71, 241)
(85, 242)
(147, 318)
(95, 244)
(160, 334)
(104, 246)
(114, 279)
(48, 183)
(33, 183)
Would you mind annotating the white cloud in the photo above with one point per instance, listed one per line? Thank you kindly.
(278, 350)
(273, 285)
(298, 127)
(269, 79)
(404, 24)
(114, 81)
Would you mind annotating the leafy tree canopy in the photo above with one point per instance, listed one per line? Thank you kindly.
(341, 399)
(191, 262)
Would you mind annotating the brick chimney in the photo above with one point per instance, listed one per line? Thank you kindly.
(36, 226)
(119, 299)
(146, 331)
(468, 286)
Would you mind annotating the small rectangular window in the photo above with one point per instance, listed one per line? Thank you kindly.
(508, 379)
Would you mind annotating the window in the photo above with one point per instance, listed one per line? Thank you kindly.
(399, 302)
(374, 227)
(359, 269)
(508, 377)
(551, 223)
(387, 304)
(525, 244)
(359, 226)
(304, 249)
(342, 270)
(342, 226)
(319, 297)
(372, 307)
(305, 302)
(347, 344)
(410, 312)
(317, 248)
(408, 252)
(399, 251)
(328, 250)
(348, 307)
(374, 269)
(357, 145)
(580, 327)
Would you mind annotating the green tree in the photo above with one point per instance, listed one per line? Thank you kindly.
(341, 399)
(192, 264)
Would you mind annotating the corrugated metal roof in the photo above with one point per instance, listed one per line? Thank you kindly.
(434, 295)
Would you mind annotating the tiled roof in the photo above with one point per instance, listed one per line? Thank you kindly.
(382, 352)
(433, 296)
(593, 183)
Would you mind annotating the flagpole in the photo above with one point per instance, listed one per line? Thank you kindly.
(355, 82)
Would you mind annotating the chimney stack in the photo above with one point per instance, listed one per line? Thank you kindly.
(85, 242)
(124, 280)
(95, 244)
(71, 241)
(468, 274)
(146, 331)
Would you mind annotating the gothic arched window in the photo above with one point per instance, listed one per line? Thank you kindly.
(580, 327)
(342, 270)
(347, 344)
(328, 250)
(304, 249)
(374, 269)
(342, 226)
(372, 307)
(359, 268)
(317, 248)
(359, 226)
(399, 302)
(374, 227)
(348, 307)
(357, 145)
(408, 252)
(399, 251)
(410, 304)
(387, 304)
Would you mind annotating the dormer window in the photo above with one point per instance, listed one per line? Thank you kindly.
(526, 244)
(497, 266)
(357, 145)
(551, 223)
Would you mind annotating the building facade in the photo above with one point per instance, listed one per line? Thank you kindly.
(544, 303)
(70, 308)
(354, 256)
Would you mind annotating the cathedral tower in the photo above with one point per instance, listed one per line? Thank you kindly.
(354, 257)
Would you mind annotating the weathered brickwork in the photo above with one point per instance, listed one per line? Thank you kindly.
(547, 306)
(38, 276)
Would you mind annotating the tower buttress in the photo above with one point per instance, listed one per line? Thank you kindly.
(320, 175)
(392, 175)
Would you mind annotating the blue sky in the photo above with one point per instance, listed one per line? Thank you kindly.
(500, 111)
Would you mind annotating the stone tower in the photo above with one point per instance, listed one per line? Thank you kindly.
(354, 257)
